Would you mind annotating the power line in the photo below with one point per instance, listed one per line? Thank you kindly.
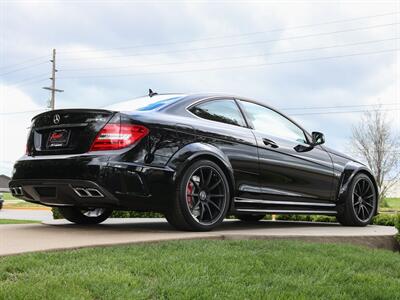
(234, 57)
(236, 44)
(22, 63)
(23, 68)
(215, 37)
(22, 112)
(29, 78)
(233, 67)
(296, 114)
(32, 82)
(338, 106)
(341, 112)
(238, 35)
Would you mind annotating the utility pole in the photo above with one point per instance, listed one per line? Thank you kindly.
(53, 82)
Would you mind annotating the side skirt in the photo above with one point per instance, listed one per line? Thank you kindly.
(245, 205)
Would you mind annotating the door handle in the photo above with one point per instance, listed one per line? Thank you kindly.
(268, 142)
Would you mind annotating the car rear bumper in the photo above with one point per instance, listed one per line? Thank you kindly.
(63, 192)
(92, 180)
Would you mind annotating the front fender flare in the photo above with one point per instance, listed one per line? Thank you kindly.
(351, 169)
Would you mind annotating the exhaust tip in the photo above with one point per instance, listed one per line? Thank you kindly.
(94, 192)
(88, 192)
(17, 191)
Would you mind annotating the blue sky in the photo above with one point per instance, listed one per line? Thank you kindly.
(244, 48)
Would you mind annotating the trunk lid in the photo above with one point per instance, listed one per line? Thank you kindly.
(66, 131)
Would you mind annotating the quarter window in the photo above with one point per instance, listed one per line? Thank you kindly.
(270, 122)
(224, 111)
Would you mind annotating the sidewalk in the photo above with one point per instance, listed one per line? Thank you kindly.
(26, 214)
(60, 234)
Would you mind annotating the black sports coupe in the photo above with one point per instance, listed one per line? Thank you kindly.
(195, 158)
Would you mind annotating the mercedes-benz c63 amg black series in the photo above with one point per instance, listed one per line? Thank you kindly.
(194, 158)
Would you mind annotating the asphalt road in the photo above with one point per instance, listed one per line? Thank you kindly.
(61, 234)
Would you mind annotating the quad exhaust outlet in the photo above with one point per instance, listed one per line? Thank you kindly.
(17, 191)
(87, 192)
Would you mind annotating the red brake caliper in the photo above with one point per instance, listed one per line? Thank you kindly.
(189, 191)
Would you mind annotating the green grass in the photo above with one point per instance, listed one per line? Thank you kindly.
(393, 203)
(13, 221)
(20, 204)
(205, 270)
(12, 202)
(8, 196)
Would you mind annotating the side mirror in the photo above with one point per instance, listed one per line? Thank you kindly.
(317, 138)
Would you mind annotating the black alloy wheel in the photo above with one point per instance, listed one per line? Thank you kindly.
(202, 198)
(85, 216)
(363, 199)
(361, 202)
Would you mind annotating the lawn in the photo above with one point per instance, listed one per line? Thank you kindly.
(13, 221)
(12, 202)
(204, 270)
(393, 203)
(8, 196)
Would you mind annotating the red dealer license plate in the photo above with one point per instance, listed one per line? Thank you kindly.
(58, 139)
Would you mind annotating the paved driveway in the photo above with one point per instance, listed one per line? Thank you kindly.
(26, 214)
(60, 234)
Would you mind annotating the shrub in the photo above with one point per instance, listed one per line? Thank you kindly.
(397, 224)
(293, 218)
(381, 219)
(384, 219)
(135, 214)
(383, 202)
(117, 214)
(56, 213)
(307, 218)
(326, 219)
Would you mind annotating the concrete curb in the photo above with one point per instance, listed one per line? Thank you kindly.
(62, 235)
(26, 208)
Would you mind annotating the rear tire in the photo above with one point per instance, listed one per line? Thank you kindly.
(85, 216)
(360, 202)
(201, 199)
(250, 218)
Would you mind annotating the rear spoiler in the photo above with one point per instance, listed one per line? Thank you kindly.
(74, 110)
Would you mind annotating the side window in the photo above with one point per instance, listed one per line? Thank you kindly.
(224, 111)
(270, 122)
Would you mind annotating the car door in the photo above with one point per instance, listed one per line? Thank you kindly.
(222, 124)
(290, 169)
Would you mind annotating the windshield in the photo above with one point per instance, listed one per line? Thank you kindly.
(145, 103)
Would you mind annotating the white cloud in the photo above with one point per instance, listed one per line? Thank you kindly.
(88, 29)
(14, 126)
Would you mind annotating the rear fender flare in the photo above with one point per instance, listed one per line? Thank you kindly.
(191, 152)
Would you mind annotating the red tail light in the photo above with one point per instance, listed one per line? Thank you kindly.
(118, 136)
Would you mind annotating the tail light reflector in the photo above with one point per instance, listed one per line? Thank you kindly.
(118, 136)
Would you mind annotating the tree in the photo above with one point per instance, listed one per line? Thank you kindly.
(375, 142)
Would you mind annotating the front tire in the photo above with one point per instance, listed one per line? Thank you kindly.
(360, 202)
(85, 216)
(201, 199)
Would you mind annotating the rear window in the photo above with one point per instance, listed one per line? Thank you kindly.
(145, 103)
(221, 110)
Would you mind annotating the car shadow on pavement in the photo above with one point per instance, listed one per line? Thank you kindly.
(158, 225)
